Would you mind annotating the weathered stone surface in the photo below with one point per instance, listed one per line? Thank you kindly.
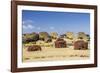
(80, 45)
(34, 48)
(60, 43)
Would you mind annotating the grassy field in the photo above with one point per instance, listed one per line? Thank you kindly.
(51, 53)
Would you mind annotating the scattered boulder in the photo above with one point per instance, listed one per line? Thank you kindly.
(48, 39)
(43, 35)
(30, 37)
(34, 48)
(60, 43)
(54, 35)
(80, 45)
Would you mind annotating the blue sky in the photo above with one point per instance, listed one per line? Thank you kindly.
(60, 22)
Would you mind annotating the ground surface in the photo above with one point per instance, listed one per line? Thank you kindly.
(51, 53)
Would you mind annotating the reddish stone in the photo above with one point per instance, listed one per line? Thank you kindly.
(60, 43)
(80, 45)
(34, 48)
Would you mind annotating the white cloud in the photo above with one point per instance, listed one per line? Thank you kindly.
(38, 28)
(24, 27)
(30, 26)
(25, 22)
(52, 27)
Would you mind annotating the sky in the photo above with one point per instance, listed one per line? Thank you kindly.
(60, 22)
